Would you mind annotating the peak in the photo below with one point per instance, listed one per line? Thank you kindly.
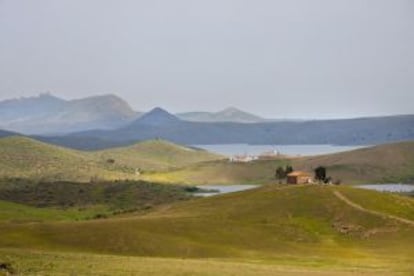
(231, 109)
(237, 115)
(157, 116)
(158, 110)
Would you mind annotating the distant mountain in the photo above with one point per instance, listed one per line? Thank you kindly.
(156, 117)
(230, 114)
(161, 124)
(48, 114)
(17, 110)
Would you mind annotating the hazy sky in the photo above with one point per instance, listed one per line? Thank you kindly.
(292, 58)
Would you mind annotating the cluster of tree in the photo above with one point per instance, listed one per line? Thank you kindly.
(320, 175)
(282, 172)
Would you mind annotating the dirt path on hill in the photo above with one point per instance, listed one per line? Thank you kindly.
(376, 213)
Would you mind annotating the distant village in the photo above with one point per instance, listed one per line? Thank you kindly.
(249, 157)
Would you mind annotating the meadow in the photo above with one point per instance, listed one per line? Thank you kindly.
(275, 228)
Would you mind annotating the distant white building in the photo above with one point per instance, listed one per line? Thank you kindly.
(243, 158)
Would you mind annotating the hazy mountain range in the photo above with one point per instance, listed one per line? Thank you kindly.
(48, 114)
(158, 123)
(108, 121)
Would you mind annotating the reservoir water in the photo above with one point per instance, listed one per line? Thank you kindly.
(223, 189)
(393, 188)
(292, 150)
(212, 190)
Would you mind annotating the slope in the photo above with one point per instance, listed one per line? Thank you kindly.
(266, 223)
(28, 158)
(392, 163)
(156, 155)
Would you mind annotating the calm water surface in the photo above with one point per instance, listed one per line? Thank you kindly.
(394, 188)
(220, 189)
(293, 150)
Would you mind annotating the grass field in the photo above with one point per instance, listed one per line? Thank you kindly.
(33, 262)
(221, 172)
(273, 228)
(28, 158)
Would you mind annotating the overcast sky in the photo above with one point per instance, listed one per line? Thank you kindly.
(292, 58)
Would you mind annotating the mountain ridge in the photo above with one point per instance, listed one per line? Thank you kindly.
(156, 117)
(49, 114)
(361, 131)
(229, 114)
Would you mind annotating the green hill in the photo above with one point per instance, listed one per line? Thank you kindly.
(156, 155)
(389, 163)
(221, 172)
(28, 158)
(24, 200)
(274, 224)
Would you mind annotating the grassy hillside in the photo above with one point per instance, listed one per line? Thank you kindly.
(221, 172)
(156, 155)
(389, 163)
(381, 164)
(23, 200)
(302, 223)
(33, 262)
(28, 158)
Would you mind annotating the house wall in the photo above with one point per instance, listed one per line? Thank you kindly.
(299, 179)
(292, 180)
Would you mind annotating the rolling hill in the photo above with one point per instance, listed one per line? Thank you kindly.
(25, 157)
(304, 226)
(156, 155)
(28, 158)
(389, 163)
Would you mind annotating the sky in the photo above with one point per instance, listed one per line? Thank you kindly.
(277, 59)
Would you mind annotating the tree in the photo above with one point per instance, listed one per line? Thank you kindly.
(280, 174)
(320, 174)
